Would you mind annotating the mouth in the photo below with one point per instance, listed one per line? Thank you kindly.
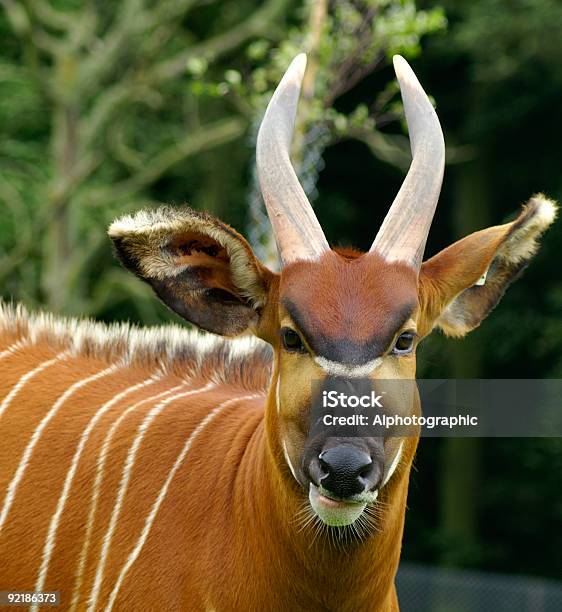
(338, 512)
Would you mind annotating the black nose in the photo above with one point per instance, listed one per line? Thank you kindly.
(346, 470)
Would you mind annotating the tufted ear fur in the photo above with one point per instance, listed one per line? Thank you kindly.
(198, 266)
(461, 285)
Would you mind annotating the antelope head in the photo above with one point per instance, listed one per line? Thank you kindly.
(333, 313)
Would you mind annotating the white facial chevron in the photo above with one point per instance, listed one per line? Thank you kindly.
(335, 368)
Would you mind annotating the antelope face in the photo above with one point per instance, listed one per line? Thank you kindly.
(344, 318)
(333, 315)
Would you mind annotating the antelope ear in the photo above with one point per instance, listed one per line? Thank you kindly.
(462, 284)
(198, 266)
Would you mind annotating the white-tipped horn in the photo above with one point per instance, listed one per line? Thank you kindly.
(404, 232)
(297, 231)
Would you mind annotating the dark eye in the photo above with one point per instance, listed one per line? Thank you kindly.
(404, 343)
(291, 340)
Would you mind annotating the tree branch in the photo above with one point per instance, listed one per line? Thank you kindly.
(107, 104)
(255, 25)
(316, 23)
(51, 17)
(394, 149)
(122, 92)
(203, 139)
(129, 20)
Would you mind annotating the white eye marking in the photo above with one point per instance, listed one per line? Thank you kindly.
(394, 464)
(335, 368)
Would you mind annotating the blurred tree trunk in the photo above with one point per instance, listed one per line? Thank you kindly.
(57, 243)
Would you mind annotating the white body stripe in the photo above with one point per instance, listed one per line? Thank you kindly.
(123, 485)
(26, 378)
(51, 535)
(335, 368)
(163, 491)
(12, 487)
(12, 348)
(96, 490)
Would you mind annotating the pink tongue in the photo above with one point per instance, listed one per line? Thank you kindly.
(327, 501)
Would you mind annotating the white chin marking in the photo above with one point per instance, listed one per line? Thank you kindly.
(394, 464)
(335, 368)
(333, 513)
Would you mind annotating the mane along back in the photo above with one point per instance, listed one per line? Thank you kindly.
(243, 362)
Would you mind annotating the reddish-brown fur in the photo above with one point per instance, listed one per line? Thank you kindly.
(350, 313)
(226, 535)
(228, 520)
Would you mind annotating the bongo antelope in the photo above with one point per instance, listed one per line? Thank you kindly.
(162, 469)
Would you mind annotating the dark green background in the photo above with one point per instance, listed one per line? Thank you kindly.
(496, 75)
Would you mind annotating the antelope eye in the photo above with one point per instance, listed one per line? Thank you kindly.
(291, 340)
(404, 343)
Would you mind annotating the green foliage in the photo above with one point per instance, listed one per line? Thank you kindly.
(104, 110)
(497, 78)
(99, 105)
(354, 39)
(516, 33)
(108, 107)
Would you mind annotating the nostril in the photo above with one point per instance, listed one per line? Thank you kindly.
(323, 463)
(317, 469)
(366, 470)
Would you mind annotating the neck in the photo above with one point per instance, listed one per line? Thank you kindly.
(322, 563)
